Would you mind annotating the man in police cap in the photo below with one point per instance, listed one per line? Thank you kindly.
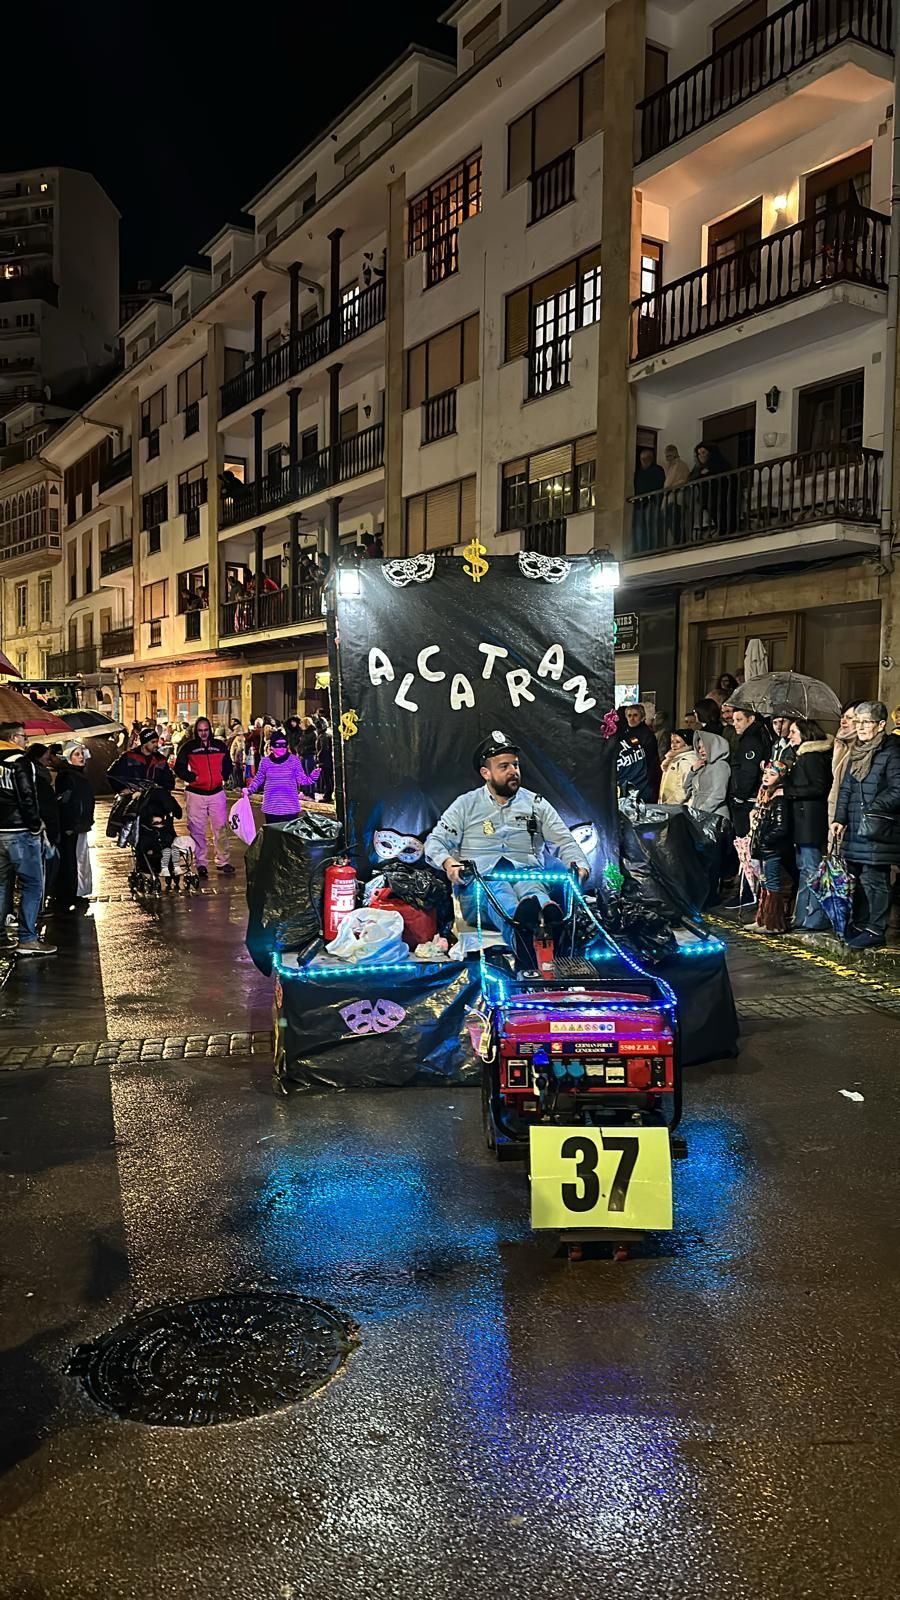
(503, 826)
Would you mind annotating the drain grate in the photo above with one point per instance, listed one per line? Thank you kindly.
(219, 1359)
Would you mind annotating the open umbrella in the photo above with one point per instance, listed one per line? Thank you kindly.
(808, 697)
(37, 721)
(92, 724)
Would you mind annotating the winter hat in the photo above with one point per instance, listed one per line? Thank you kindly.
(71, 745)
(278, 741)
(145, 735)
(777, 766)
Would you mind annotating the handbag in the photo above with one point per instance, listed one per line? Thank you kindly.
(880, 827)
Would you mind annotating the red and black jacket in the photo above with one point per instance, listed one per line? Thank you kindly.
(134, 768)
(205, 768)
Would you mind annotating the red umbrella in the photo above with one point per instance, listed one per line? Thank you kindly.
(37, 721)
(7, 667)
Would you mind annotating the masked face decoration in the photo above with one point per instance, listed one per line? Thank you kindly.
(585, 834)
(388, 845)
(364, 1016)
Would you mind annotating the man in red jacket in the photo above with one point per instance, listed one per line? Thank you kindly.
(205, 765)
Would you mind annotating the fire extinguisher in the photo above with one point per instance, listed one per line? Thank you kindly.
(340, 895)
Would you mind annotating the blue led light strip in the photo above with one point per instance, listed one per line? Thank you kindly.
(366, 968)
(634, 965)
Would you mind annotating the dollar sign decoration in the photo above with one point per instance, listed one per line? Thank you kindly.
(475, 567)
(349, 724)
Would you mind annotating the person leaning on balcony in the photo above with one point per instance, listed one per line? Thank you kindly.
(712, 511)
(649, 478)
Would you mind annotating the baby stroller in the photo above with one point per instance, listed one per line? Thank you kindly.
(144, 819)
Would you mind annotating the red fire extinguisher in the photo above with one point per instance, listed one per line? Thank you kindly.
(340, 895)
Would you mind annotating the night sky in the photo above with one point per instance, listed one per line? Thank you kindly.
(165, 108)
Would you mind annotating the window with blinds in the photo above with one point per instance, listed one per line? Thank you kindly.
(192, 384)
(557, 123)
(153, 413)
(542, 316)
(442, 362)
(441, 518)
(154, 600)
(549, 484)
(155, 507)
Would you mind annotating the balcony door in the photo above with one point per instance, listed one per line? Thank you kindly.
(733, 258)
(733, 433)
(835, 199)
(723, 645)
(738, 56)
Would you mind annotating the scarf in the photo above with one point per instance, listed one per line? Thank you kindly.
(861, 756)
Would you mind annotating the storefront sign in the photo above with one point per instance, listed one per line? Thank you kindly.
(628, 629)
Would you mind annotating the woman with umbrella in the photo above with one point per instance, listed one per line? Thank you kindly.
(867, 822)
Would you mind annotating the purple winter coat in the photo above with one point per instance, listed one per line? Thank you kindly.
(281, 782)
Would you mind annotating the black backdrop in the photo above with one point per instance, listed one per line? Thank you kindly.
(403, 766)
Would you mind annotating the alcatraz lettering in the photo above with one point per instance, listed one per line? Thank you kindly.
(552, 665)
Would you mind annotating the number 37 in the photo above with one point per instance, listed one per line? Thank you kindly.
(584, 1193)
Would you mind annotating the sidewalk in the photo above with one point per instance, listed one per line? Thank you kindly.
(169, 975)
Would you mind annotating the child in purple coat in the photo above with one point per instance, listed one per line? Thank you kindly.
(281, 776)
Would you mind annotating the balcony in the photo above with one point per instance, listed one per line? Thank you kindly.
(192, 626)
(74, 663)
(116, 471)
(771, 511)
(553, 186)
(356, 317)
(282, 608)
(350, 458)
(26, 552)
(118, 642)
(792, 38)
(548, 538)
(439, 416)
(29, 286)
(192, 418)
(116, 558)
(845, 246)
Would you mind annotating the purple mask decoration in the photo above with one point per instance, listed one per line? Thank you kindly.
(364, 1017)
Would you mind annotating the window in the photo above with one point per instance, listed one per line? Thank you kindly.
(435, 217)
(25, 319)
(271, 234)
(738, 22)
(45, 599)
(237, 466)
(182, 312)
(542, 316)
(153, 413)
(21, 605)
(235, 362)
(847, 182)
(193, 590)
(22, 663)
(656, 69)
(155, 634)
(309, 443)
(349, 312)
(734, 434)
(154, 601)
(484, 37)
(348, 422)
(274, 460)
(155, 507)
(35, 444)
(441, 518)
(549, 484)
(222, 273)
(82, 475)
(442, 362)
(192, 494)
(556, 124)
(651, 266)
(187, 701)
(830, 414)
(226, 699)
(191, 384)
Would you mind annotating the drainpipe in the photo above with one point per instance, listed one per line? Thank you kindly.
(890, 376)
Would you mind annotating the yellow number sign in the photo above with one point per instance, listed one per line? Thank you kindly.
(601, 1178)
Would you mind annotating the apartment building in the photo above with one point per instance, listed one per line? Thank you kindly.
(31, 588)
(59, 282)
(762, 197)
(406, 335)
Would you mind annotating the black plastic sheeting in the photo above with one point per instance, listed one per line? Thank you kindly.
(672, 855)
(379, 1030)
(413, 621)
(285, 870)
(707, 1020)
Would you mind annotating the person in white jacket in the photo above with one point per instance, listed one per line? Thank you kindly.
(676, 765)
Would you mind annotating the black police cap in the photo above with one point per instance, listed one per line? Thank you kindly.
(496, 744)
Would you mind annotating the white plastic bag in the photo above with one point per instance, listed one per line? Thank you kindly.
(242, 820)
(370, 936)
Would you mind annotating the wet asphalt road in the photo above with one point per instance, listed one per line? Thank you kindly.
(716, 1416)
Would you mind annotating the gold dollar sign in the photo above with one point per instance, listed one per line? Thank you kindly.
(476, 567)
(349, 724)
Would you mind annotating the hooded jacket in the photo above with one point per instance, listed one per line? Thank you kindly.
(807, 785)
(706, 788)
(19, 811)
(671, 789)
(751, 749)
(205, 768)
(135, 768)
(75, 798)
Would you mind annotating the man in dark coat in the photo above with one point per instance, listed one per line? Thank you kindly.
(752, 747)
(637, 732)
(136, 768)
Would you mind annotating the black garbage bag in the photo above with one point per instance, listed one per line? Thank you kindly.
(285, 871)
(368, 1028)
(641, 925)
(675, 851)
(418, 884)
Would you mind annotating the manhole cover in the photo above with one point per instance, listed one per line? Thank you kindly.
(219, 1359)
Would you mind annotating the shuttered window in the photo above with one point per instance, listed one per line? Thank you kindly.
(441, 518)
(155, 507)
(442, 362)
(550, 484)
(578, 280)
(556, 124)
(154, 598)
